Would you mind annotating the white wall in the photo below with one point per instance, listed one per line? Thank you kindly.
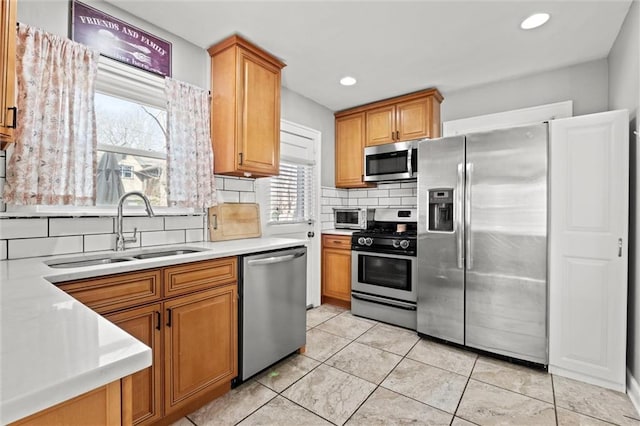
(301, 110)
(585, 84)
(190, 63)
(624, 92)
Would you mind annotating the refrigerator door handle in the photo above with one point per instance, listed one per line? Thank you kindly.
(467, 216)
(459, 226)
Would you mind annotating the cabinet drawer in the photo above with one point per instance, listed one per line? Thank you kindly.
(116, 292)
(336, 241)
(199, 275)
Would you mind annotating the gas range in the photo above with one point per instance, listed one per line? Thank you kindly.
(391, 231)
(384, 268)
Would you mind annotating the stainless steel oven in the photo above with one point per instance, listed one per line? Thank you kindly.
(384, 270)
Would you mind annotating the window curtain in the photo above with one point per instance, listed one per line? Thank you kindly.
(189, 154)
(53, 160)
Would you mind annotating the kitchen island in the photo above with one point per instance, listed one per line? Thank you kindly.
(54, 348)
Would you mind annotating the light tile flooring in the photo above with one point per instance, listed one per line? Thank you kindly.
(361, 372)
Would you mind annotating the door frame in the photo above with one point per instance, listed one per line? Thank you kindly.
(313, 244)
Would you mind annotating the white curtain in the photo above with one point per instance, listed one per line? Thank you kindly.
(189, 154)
(54, 157)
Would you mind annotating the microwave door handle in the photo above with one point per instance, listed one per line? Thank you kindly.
(409, 155)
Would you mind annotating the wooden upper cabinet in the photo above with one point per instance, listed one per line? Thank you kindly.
(381, 125)
(350, 133)
(8, 110)
(245, 109)
(409, 117)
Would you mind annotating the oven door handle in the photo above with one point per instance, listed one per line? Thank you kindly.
(383, 301)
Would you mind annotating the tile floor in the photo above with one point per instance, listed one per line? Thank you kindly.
(361, 372)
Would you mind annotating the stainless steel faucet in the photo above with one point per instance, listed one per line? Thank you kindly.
(121, 239)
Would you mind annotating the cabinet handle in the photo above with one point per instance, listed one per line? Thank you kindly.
(397, 135)
(393, 135)
(158, 320)
(15, 117)
(337, 241)
(240, 159)
(168, 317)
(619, 247)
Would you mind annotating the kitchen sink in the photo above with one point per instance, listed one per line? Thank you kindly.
(163, 253)
(89, 262)
(119, 257)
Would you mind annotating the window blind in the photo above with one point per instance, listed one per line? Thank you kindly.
(291, 199)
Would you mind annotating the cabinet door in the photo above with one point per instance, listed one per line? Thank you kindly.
(259, 116)
(350, 151)
(336, 273)
(101, 406)
(200, 344)
(413, 120)
(381, 125)
(144, 324)
(7, 70)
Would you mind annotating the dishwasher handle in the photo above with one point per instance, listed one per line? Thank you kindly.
(275, 259)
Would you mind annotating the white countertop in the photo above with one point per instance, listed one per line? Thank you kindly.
(339, 231)
(54, 348)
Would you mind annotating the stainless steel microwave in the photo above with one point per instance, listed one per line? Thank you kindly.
(392, 161)
(350, 218)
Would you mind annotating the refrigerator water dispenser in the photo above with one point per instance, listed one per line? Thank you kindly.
(441, 209)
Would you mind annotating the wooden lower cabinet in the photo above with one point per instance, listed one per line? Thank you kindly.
(102, 406)
(190, 325)
(336, 270)
(200, 344)
(144, 324)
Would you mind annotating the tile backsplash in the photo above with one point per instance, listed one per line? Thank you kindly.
(22, 237)
(402, 194)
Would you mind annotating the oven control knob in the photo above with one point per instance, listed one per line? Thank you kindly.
(396, 243)
(404, 244)
(361, 241)
(368, 241)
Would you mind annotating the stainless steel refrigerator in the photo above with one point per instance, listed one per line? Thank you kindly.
(482, 241)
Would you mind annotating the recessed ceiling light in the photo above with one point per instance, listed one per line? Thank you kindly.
(534, 21)
(348, 81)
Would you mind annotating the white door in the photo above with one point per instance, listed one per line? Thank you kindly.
(298, 145)
(589, 193)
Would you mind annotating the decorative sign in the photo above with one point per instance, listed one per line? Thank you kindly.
(120, 41)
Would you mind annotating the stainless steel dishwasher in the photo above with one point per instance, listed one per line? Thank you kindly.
(273, 298)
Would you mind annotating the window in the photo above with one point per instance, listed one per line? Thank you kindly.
(291, 199)
(131, 150)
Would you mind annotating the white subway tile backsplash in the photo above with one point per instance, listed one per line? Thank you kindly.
(99, 242)
(353, 202)
(368, 202)
(143, 224)
(325, 201)
(324, 217)
(228, 196)
(389, 201)
(239, 185)
(23, 228)
(247, 197)
(358, 193)
(409, 185)
(377, 193)
(163, 237)
(33, 247)
(326, 209)
(80, 225)
(194, 235)
(219, 180)
(3, 249)
(405, 192)
(183, 222)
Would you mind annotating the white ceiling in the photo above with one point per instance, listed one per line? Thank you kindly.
(396, 47)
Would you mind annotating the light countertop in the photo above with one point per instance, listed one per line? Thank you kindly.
(54, 348)
(339, 231)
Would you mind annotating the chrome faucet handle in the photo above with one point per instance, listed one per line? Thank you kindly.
(133, 238)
